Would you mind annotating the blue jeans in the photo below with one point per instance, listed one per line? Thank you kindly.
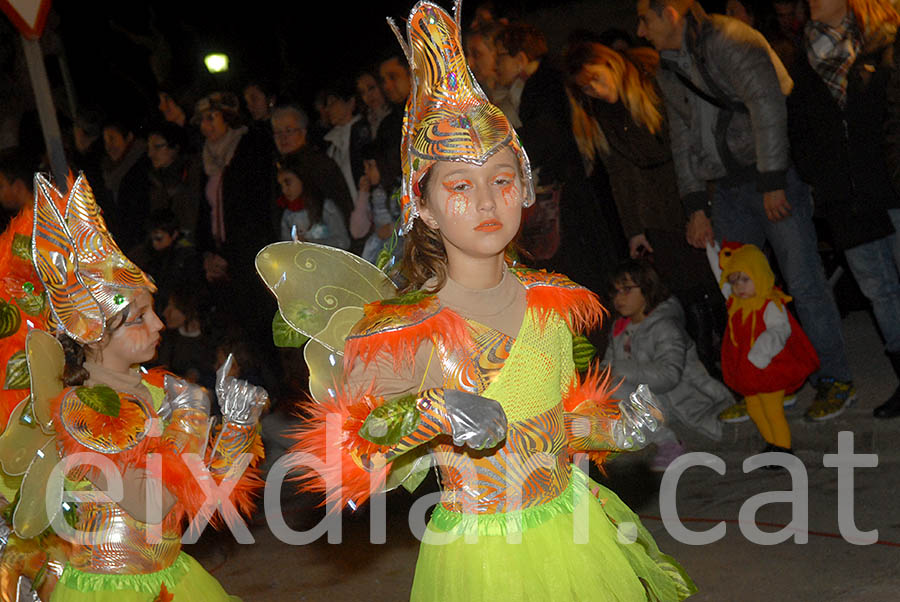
(739, 216)
(875, 267)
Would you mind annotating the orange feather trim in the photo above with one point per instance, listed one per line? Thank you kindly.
(342, 478)
(592, 396)
(68, 445)
(176, 476)
(8, 402)
(445, 327)
(179, 479)
(156, 376)
(579, 307)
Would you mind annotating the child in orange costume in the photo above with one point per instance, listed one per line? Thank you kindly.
(765, 353)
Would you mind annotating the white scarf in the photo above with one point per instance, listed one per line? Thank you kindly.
(339, 150)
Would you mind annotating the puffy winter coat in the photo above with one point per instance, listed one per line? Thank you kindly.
(664, 357)
(706, 139)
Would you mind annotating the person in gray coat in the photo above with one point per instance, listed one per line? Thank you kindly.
(649, 345)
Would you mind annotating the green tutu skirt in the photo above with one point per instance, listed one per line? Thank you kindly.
(584, 545)
(184, 579)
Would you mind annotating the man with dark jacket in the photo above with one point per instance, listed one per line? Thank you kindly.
(837, 128)
(724, 91)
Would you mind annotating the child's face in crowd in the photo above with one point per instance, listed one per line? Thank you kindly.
(159, 152)
(291, 186)
(476, 209)
(742, 285)
(629, 300)
(371, 171)
(161, 240)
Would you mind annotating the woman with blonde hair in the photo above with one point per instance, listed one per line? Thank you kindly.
(618, 118)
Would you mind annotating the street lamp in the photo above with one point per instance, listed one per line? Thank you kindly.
(216, 62)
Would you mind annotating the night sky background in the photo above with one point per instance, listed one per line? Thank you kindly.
(313, 40)
(110, 45)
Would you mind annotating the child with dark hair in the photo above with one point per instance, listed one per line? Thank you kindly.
(169, 257)
(649, 345)
(375, 211)
(307, 213)
(185, 347)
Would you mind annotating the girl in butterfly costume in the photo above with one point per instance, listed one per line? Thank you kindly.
(475, 366)
(94, 424)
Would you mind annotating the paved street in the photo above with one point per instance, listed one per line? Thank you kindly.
(827, 568)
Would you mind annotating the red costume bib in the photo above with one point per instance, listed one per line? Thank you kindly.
(788, 370)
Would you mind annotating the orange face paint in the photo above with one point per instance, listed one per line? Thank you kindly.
(510, 192)
(457, 203)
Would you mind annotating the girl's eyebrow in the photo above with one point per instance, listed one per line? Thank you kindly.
(450, 181)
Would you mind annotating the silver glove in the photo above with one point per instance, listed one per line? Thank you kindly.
(476, 422)
(639, 417)
(241, 402)
(183, 394)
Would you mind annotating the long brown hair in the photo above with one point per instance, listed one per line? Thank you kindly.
(313, 199)
(74, 372)
(633, 74)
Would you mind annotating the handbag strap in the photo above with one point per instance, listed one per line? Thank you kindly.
(716, 101)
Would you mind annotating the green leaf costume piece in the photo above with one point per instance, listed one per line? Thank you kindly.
(31, 304)
(285, 336)
(10, 319)
(391, 422)
(21, 247)
(17, 372)
(101, 399)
